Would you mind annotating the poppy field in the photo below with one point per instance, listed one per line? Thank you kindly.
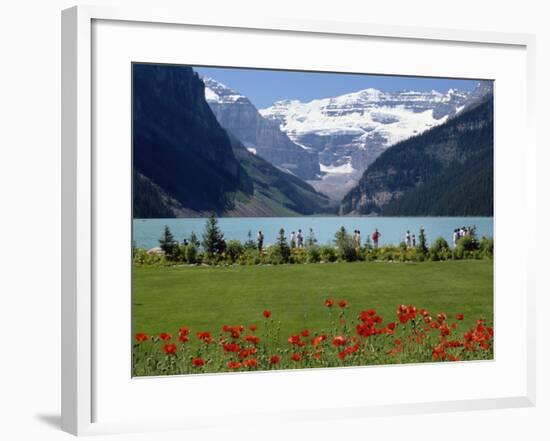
(334, 315)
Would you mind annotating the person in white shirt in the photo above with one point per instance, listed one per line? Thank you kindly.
(300, 239)
(456, 236)
(293, 240)
(408, 239)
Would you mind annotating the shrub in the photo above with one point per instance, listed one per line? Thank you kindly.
(191, 253)
(486, 247)
(298, 255)
(141, 257)
(327, 254)
(469, 243)
(313, 254)
(234, 250)
(250, 257)
(439, 250)
(273, 255)
(344, 244)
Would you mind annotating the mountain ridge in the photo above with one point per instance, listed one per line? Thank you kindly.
(419, 176)
(186, 165)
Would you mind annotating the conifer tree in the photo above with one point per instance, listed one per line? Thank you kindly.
(282, 245)
(168, 244)
(422, 242)
(212, 238)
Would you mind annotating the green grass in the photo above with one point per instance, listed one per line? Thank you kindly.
(204, 298)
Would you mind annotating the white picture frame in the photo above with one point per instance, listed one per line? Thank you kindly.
(79, 202)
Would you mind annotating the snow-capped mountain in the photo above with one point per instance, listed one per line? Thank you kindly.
(350, 131)
(261, 136)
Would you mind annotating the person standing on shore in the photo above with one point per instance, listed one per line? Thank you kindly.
(408, 239)
(414, 241)
(260, 241)
(456, 236)
(293, 241)
(358, 240)
(375, 237)
(300, 239)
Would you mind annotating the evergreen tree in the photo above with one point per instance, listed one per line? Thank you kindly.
(422, 242)
(194, 240)
(249, 244)
(311, 239)
(344, 243)
(212, 238)
(282, 246)
(168, 244)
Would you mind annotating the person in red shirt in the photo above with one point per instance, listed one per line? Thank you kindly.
(375, 236)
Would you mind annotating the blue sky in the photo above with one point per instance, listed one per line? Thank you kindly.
(263, 87)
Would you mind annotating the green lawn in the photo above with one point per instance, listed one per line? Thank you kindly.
(205, 298)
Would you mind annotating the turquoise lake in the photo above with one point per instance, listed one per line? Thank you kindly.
(146, 232)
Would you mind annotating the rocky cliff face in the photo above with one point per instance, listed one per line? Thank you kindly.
(177, 141)
(419, 176)
(262, 137)
(187, 165)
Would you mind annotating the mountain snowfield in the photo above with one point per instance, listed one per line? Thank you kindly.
(348, 132)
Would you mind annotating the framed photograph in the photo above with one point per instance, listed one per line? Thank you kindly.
(293, 217)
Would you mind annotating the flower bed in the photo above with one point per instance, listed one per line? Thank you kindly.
(415, 336)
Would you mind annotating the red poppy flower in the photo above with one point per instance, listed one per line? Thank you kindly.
(460, 316)
(252, 339)
(165, 336)
(444, 329)
(234, 365)
(251, 363)
(305, 333)
(267, 313)
(170, 349)
(231, 347)
(140, 337)
(184, 330)
(244, 353)
(316, 340)
(342, 303)
(197, 362)
(295, 340)
(391, 326)
(183, 334)
(329, 303)
(205, 337)
(296, 357)
(438, 353)
(275, 359)
(253, 328)
(339, 341)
